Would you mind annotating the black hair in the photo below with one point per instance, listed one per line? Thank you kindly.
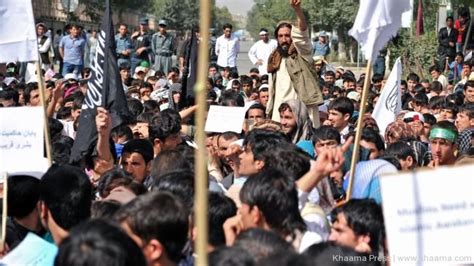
(164, 125)
(261, 243)
(436, 102)
(343, 105)
(64, 112)
(61, 149)
(180, 183)
(401, 150)
(445, 124)
(364, 217)
(67, 193)
(168, 161)
(23, 195)
(150, 106)
(288, 159)
(122, 131)
(420, 99)
(456, 98)
(450, 106)
(468, 109)
(135, 106)
(324, 253)
(97, 242)
(413, 77)
(104, 209)
(160, 216)
(469, 83)
(326, 133)
(377, 78)
(256, 106)
(116, 177)
(370, 135)
(29, 88)
(231, 98)
(275, 195)
(227, 26)
(433, 68)
(429, 118)
(145, 117)
(436, 86)
(141, 146)
(230, 256)
(261, 141)
(220, 209)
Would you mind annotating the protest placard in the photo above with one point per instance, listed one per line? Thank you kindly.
(429, 216)
(225, 118)
(21, 140)
(33, 250)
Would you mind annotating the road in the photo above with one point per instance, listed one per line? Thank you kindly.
(243, 61)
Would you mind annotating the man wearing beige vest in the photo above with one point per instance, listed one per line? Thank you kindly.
(292, 76)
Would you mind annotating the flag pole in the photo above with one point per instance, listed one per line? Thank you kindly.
(47, 137)
(4, 211)
(355, 152)
(201, 174)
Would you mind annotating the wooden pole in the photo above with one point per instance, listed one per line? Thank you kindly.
(4, 211)
(47, 137)
(201, 174)
(355, 152)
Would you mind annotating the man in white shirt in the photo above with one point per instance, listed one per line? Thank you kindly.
(261, 50)
(227, 49)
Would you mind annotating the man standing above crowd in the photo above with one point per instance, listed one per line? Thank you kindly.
(227, 49)
(162, 45)
(141, 41)
(44, 43)
(261, 50)
(292, 76)
(71, 49)
(124, 46)
(447, 43)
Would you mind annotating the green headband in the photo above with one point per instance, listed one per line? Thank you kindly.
(442, 133)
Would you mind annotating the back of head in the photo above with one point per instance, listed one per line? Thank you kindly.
(400, 150)
(330, 254)
(323, 133)
(261, 141)
(275, 195)
(220, 209)
(98, 243)
(288, 159)
(67, 193)
(231, 98)
(364, 217)
(180, 183)
(23, 195)
(230, 256)
(159, 216)
(167, 161)
(260, 243)
(164, 125)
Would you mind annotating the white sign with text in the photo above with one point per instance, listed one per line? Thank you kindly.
(21, 140)
(429, 216)
(224, 118)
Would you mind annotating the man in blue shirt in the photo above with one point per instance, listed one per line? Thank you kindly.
(124, 46)
(71, 49)
(321, 47)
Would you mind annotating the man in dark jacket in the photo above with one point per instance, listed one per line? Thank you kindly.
(447, 43)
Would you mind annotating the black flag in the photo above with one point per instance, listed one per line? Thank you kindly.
(104, 89)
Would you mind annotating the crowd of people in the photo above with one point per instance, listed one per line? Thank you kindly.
(275, 188)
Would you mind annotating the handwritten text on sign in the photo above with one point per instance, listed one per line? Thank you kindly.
(21, 138)
(430, 213)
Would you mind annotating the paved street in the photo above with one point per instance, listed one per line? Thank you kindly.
(243, 61)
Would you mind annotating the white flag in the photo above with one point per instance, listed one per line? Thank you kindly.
(377, 21)
(390, 101)
(17, 32)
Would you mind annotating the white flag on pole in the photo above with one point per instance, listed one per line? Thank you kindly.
(390, 101)
(18, 35)
(377, 21)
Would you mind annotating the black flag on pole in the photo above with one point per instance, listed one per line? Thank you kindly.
(104, 89)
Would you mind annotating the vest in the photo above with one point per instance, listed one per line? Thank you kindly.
(44, 56)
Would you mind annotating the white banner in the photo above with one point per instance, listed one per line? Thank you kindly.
(18, 34)
(390, 100)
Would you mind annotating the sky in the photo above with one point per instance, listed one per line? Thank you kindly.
(236, 6)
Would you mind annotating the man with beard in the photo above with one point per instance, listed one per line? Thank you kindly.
(292, 76)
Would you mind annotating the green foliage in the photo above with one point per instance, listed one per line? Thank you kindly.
(417, 53)
(267, 14)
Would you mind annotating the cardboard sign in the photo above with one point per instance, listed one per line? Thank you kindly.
(225, 118)
(429, 216)
(21, 140)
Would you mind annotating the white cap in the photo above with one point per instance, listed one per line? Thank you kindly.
(69, 76)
